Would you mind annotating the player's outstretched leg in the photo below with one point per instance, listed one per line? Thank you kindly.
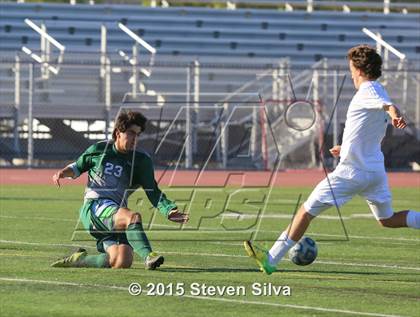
(404, 218)
(386, 217)
(129, 221)
(80, 258)
(268, 260)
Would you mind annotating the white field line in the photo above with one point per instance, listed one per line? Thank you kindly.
(385, 266)
(225, 255)
(364, 237)
(210, 229)
(309, 233)
(289, 216)
(46, 244)
(317, 242)
(227, 300)
(39, 218)
(225, 215)
(205, 254)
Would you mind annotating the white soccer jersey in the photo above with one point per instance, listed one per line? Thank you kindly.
(365, 128)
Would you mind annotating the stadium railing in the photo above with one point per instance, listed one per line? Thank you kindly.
(385, 6)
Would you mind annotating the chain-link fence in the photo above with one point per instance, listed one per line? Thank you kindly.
(226, 116)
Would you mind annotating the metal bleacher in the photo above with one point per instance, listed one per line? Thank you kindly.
(181, 35)
(201, 32)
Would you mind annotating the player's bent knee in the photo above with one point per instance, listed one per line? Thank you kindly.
(123, 218)
(121, 265)
(309, 216)
(123, 262)
(303, 216)
(112, 261)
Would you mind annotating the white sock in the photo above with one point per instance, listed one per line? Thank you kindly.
(280, 248)
(413, 219)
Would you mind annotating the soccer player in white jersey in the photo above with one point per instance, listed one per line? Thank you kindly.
(361, 169)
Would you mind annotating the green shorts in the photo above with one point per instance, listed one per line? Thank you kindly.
(97, 217)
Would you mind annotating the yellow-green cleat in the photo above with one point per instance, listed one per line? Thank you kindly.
(71, 260)
(261, 257)
(153, 261)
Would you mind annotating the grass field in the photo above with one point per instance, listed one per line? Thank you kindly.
(375, 273)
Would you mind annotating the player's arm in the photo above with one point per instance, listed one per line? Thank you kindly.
(74, 170)
(66, 172)
(335, 150)
(396, 119)
(157, 198)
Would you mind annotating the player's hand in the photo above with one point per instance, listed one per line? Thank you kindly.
(399, 123)
(177, 216)
(56, 178)
(335, 150)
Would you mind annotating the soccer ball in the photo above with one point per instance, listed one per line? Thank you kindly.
(304, 252)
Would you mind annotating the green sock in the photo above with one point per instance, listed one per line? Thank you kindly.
(138, 240)
(98, 261)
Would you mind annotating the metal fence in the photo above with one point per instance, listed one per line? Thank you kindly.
(385, 6)
(227, 116)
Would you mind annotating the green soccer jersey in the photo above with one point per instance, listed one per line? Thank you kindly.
(114, 175)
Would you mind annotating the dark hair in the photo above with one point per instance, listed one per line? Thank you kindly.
(127, 118)
(366, 59)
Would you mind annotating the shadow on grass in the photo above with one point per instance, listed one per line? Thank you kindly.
(255, 270)
(208, 270)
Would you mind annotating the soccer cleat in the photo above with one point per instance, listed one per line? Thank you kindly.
(261, 257)
(71, 260)
(153, 261)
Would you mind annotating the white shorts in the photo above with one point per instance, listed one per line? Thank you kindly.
(345, 182)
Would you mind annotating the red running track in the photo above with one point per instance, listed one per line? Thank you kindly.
(208, 178)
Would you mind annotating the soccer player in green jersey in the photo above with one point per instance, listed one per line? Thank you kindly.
(115, 170)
